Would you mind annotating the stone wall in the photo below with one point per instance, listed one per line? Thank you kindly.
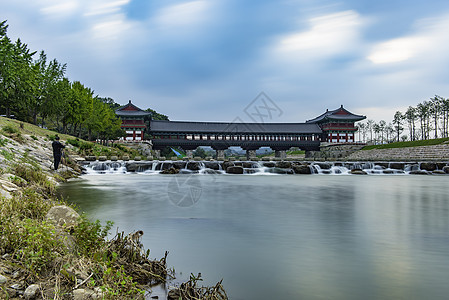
(333, 151)
(422, 153)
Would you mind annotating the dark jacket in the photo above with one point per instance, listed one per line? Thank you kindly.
(57, 147)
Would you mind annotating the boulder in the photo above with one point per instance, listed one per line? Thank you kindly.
(234, 170)
(114, 158)
(170, 171)
(439, 172)
(283, 164)
(214, 165)
(280, 171)
(358, 172)
(419, 172)
(90, 158)
(269, 164)
(193, 165)
(446, 169)
(63, 215)
(179, 164)
(397, 166)
(3, 279)
(428, 166)
(324, 166)
(137, 158)
(31, 291)
(302, 169)
(102, 158)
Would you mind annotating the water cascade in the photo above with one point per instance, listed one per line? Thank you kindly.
(265, 167)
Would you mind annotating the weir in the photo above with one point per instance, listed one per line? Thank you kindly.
(266, 167)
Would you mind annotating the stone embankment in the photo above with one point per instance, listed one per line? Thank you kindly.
(422, 153)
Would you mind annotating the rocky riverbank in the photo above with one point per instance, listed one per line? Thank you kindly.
(49, 251)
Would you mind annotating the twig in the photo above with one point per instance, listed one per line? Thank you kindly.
(83, 282)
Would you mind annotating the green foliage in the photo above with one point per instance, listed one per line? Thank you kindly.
(3, 142)
(34, 138)
(90, 236)
(9, 129)
(6, 154)
(34, 177)
(408, 144)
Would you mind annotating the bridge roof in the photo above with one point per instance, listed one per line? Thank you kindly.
(339, 114)
(233, 128)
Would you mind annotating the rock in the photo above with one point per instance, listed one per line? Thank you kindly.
(324, 166)
(302, 169)
(137, 158)
(114, 158)
(280, 171)
(388, 171)
(419, 172)
(125, 157)
(439, 172)
(234, 170)
(179, 164)
(284, 164)
(446, 169)
(3, 279)
(269, 164)
(358, 172)
(31, 291)
(428, 166)
(397, 166)
(193, 165)
(63, 215)
(90, 158)
(102, 158)
(170, 171)
(174, 294)
(214, 165)
(83, 294)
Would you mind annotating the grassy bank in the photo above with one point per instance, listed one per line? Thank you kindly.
(408, 144)
(72, 258)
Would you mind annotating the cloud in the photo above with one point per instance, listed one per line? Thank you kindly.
(327, 34)
(180, 15)
(56, 9)
(105, 7)
(429, 40)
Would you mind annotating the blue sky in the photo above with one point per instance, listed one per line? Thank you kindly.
(208, 60)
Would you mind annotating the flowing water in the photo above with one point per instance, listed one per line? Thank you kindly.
(286, 236)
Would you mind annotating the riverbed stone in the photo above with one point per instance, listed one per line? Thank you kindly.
(193, 166)
(170, 171)
(446, 169)
(214, 165)
(283, 164)
(63, 215)
(31, 291)
(358, 172)
(3, 279)
(234, 170)
(269, 164)
(428, 166)
(302, 169)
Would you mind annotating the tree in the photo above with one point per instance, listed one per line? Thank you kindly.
(397, 122)
(370, 125)
(410, 116)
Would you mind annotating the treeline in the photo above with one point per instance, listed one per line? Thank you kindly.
(427, 120)
(37, 91)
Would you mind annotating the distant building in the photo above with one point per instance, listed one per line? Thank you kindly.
(337, 125)
(133, 121)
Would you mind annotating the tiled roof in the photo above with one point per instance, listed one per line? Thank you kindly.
(130, 110)
(245, 128)
(337, 114)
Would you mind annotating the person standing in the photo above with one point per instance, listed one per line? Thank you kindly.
(57, 151)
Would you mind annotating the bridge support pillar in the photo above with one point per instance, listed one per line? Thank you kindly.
(282, 154)
(250, 154)
(189, 153)
(157, 153)
(220, 154)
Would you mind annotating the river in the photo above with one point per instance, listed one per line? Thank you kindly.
(286, 236)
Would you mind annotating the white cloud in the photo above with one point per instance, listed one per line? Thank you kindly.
(104, 7)
(59, 9)
(179, 15)
(328, 34)
(429, 41)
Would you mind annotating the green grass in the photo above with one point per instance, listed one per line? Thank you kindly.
(408, 144)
